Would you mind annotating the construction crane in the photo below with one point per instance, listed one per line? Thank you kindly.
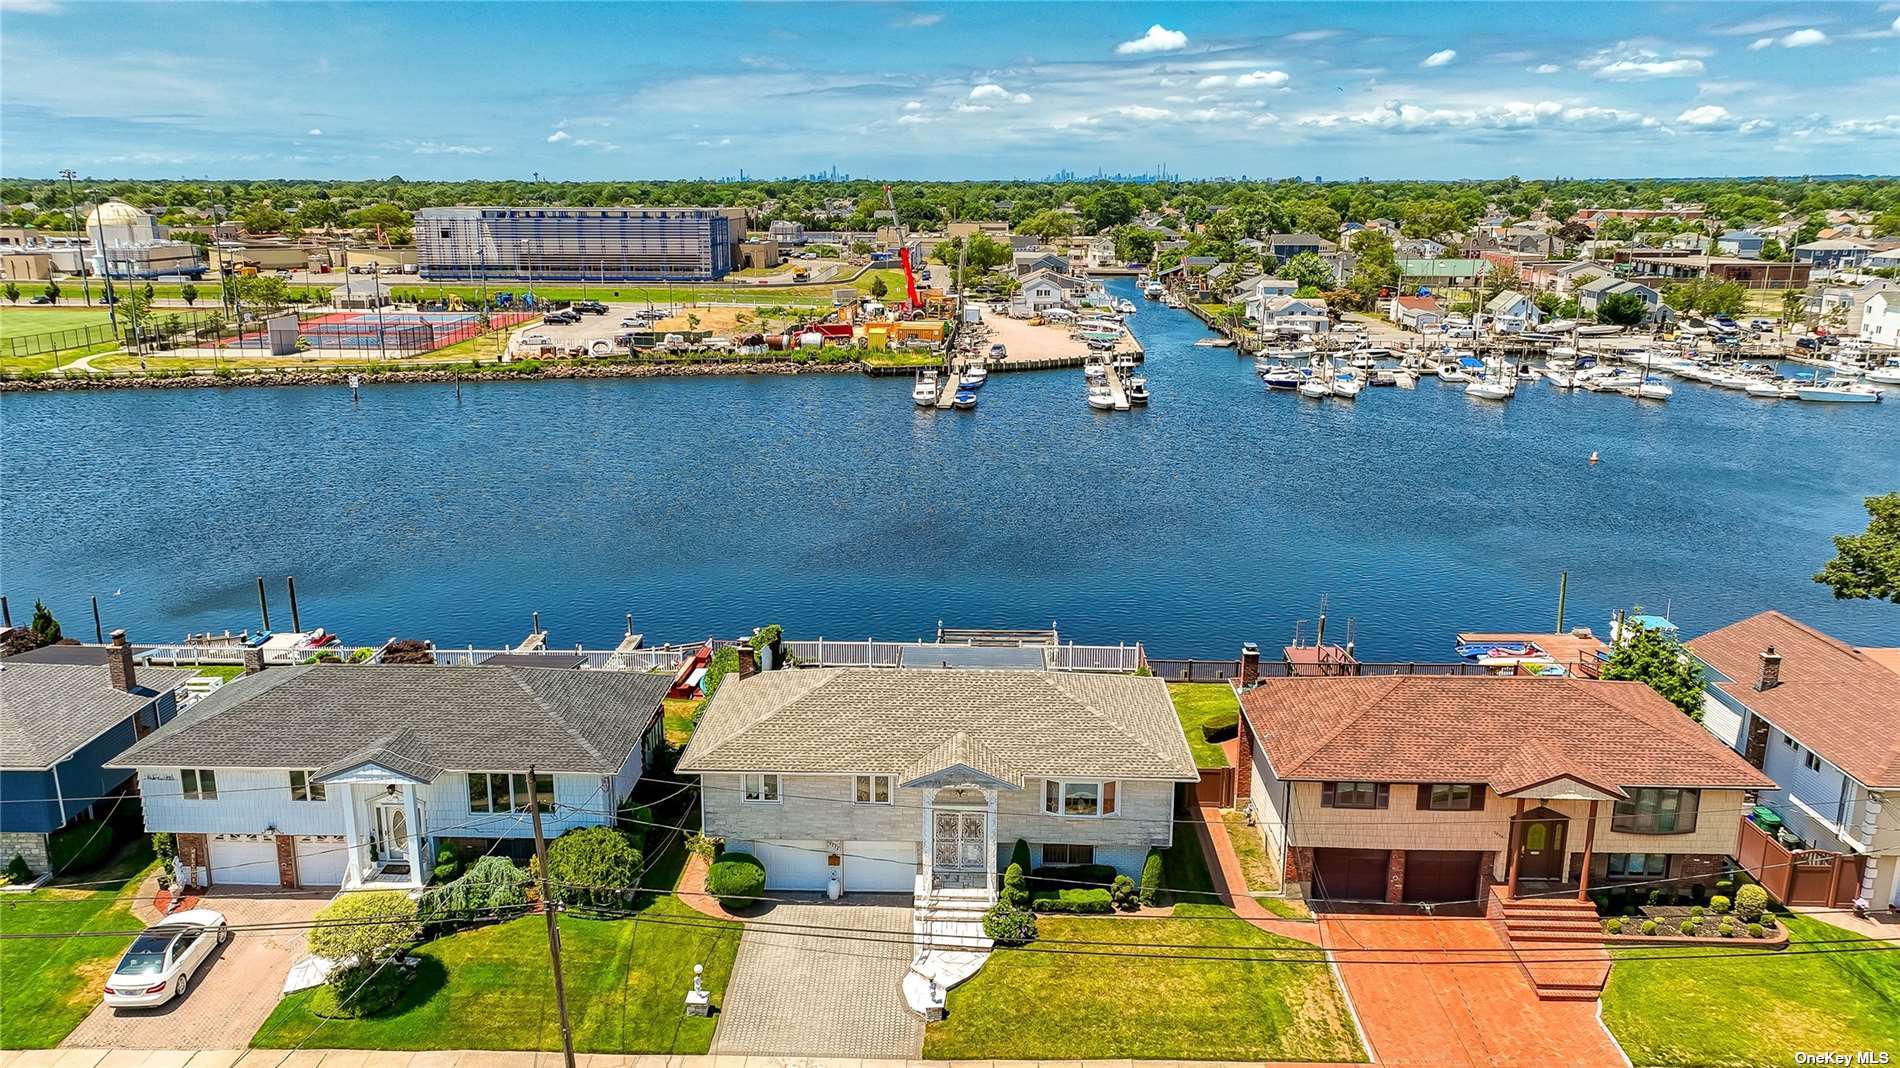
(903, 252)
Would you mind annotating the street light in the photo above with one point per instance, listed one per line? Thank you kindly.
(105, 265)
(72, 202)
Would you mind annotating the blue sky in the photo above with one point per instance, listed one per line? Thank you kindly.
(947, 90)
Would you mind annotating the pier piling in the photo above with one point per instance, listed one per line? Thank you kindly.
(290, 587)
(263, 605)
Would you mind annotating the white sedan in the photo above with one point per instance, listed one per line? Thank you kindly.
(161, 961)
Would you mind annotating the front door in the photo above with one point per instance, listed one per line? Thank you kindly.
(392, 829)
(1541, 849)
(957, 841)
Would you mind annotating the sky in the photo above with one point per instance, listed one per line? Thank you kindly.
(947, 90)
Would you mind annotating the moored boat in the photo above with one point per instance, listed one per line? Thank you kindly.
(964, 400)
(1100, 398)
(1137, 390)
(1839, 390)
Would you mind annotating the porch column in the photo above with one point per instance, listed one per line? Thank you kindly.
(412, 815)
(1510, 883)
(1589, 841)
(930, 833)
(1869, 827)
(989, 843)
(352, 871)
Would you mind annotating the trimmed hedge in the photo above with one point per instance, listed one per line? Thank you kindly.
(1719, 904)
(736, 880)
(1072, 876)
(17, 871)
(80, 847)
(1123, 893)
(1008, 925)
(1093, 900)
(1151, 879)
(1750, 902)
(1221, 726)
(1015, 889)
(1019, 856)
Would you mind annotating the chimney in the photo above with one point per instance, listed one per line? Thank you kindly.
(119, 663)
(1249, 663)
(1770, 670)
(748, 660)
(253, 659)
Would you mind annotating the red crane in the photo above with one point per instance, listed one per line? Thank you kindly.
(903, 252)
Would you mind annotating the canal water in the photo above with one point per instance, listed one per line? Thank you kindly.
(828, 503)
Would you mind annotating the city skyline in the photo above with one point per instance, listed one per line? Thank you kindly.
(947, 91)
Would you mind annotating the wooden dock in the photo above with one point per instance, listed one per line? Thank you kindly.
(947, 389)
(1116, 389)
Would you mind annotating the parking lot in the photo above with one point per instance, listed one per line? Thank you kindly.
(721, 321)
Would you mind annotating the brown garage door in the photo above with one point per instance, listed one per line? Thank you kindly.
(1349, 874)
(1441, 875)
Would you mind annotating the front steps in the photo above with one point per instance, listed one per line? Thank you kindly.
(947, 928)
(1558, 942)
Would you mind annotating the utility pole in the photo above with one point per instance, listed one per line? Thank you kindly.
(554, 923)
(105, 268)
(72, 202)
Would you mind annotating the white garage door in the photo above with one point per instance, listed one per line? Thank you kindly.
(792, 865)
(243, 860)
(880, 867)
(320, 860)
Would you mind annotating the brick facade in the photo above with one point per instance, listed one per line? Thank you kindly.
(1243, 760)
(287, 861)
(195, 851)
(1395, 877)
(1299, 864)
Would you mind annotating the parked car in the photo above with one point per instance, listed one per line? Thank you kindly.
(529, 341)
(41, 299)
(161, 962)
(561, 316)
(592, 307)
(1806, 344)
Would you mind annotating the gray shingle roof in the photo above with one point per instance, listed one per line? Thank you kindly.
(1022, 723)
(424, 718)
(961, 750)
(49, 710)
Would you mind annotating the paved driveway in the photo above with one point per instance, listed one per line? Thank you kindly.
(231, 996)
(1429, 1011)
(819, 996)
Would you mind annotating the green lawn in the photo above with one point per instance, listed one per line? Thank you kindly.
(1184, 871)
(1743, 1009)
(679, 720)
(1045, 1001)
(47, 986)
(490, 988)
(18, 320)
(1251, 849)
(227, 672)
(1194, 702)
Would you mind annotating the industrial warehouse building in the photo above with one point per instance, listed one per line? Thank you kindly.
(579, 244)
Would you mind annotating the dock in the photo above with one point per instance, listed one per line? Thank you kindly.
(947, 388)
(1116, 389)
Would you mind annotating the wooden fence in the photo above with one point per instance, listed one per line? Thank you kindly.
(1798, 877)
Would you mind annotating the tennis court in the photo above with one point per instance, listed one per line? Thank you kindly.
(388, 332)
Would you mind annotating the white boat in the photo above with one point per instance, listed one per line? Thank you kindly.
(1451, 372)
(1839, 390)
(964, 400)
(1647, 388)
(1137, 390)
(974, 376)
(1282, 377)
(1491, 388)
(924, 393)
(1560, 377)
(1215, 343)
(1095, 370)
(1346, 384)
(1100, 398)
(1766, 389)
(1153, 290)
(1315, 387)
(1405, 378)
(1124, 362)
(1887, 373)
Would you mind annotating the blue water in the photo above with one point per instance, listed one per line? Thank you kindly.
(829, 504)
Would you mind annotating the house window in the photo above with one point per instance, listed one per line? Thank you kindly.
(872, 790)
(1657, 810)
(1451, 797)
(762, 789)
(502, 792)
(1789, 741)
(1638, 865)
(198, 784)
(1354, 794)
(1812, 760)
(1084, 800)
(302, 789)
(1068, 854)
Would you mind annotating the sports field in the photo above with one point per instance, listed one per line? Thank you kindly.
(15, 321)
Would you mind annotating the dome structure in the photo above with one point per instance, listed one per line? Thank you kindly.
(114, 222)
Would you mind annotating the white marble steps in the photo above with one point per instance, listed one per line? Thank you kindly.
(947, 928)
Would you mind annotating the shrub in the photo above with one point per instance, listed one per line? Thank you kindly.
(1696, 911)
(447, 864)
(1123, 893)
(1719, 904)
(490, 885)
(1726, 928)
(1688, 925)
(1015, 888)
(372, 995)
(725, 661)
(1019, 855)
(1657, 897)
(165, 848)
(1750, 902)
(1614, 925)
(1065, 876)
(700, 845)
(1151, 879)
(1756, 930)
(358, 930)
(79, 847)
(1725, 885)
(17, 871)
(636, 822)
(593, 865)
(1221, 726)
(736, 880)
(1091, 900)
(1649, 927)
(1008, 925)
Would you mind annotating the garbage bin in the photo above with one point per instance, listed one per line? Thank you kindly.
(1767, 819)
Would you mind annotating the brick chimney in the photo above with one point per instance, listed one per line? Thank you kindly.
(119, 663)
(1249, 663)
(1770, 670)
(748, 660)
(253, 659)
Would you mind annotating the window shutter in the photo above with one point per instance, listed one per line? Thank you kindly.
(1424, 796)
(1326, 795)
(1385, 795)
(1477, 797)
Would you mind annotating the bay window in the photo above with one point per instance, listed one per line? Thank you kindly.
(1083, 800)
(1657, 810)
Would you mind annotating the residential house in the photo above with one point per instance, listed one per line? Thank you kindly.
(1442, 273)
(1822, 719)
(1039, 259)
(1740, 243)
(1418, 788)
(1046, 288)
(1754, 274)
(1844, 307)
(1560, 276)
(355, 774)
(1880, 319)
(891, 780)
(1257, 289)
(1590, 295)
(1512, 312)
(1422, 313)
(1885, 258)
(1290, 315)
(1420, 248)
(1284, 247)
(1101, 252)
(1832, 254)
(1688, 241)
(65, 712)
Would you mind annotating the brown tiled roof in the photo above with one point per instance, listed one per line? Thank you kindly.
(1833, 698)
(1510, 733)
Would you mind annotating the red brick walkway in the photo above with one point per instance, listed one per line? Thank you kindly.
(1224, 865)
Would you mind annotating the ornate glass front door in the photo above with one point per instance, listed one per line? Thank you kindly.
(392, 825)
(957, 841)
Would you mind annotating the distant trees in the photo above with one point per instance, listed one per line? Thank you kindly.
(13, 292)
(1308, 270)
(1705, 295)
(1622, 309)
(1867, 565)
(1134, 244)
(263, 219)
(1774, 252)
(1048, 225)
(1107, 209)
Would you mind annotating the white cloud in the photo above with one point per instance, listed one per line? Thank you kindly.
(993, 91)
(1143, 112)
(720, 143)
(1439, 58)
(1272, 79)
(914, 119)
(313, 132)
(918, 22)
(1546, 68)
(967, 108)
(1158, 39)
(29, 7)
(1804, 38)
(913, 105)
(558, 136)
(1212, 81)
(1264, 119)
(441, 148)
(1706, 115)
(1626, 61)
(1896, 24)
(1761, 43)
(1510, 115)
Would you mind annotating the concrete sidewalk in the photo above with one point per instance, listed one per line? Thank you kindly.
(360, 1058)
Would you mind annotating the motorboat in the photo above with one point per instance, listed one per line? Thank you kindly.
(973, 378)
(1772, 389)
(1316, 387)
(924, 393)
(1887, 373)
(1405, 378)
(1215, 343)
(964, 400)
(1839, 390)
(1347, 384)
(1451, 372)
(1100, 398)
(1648, 387)
(1124, 362)
(1125, 306)
(1095, 370)
(1526, 373)
(1137, 390)
(1153, 290)
(1492, 388)
(1283, 377)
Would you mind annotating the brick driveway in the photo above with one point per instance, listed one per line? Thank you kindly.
(1426, 1011)
(231, 996)
(816, 995)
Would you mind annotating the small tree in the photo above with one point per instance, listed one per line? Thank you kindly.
(1622, 309)
(359, 930)
(1654, 656)
(593, 865)
(1150, 893)
(52, 290)
(190, 294)
(1866, 566)
(879, 287)
(1015, 889)
(13, 292)
(44, 627)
